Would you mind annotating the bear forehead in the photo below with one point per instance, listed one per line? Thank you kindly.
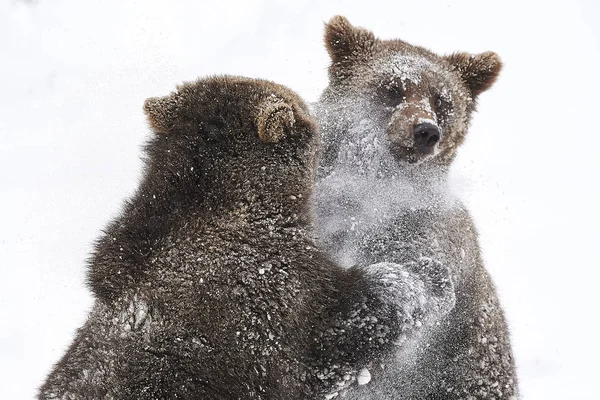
(407, 67)
(417, 72)
(412, 72)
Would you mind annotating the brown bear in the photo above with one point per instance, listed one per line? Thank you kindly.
(392, 118)
(209, 285)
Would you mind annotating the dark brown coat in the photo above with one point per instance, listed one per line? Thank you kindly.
(382, 196)
(209, 286)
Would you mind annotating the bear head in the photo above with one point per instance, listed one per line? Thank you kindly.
(230, 138)
(422, 101)
(221, 146)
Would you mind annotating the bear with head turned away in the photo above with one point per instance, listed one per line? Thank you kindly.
(209, 285)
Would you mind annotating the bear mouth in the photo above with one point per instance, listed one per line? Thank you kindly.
(409, 155)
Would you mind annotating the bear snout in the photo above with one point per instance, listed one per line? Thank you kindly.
(426, 135)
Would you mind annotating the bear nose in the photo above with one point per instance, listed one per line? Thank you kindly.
(426, 136)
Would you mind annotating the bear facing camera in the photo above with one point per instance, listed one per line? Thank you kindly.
(393, 118)
(208, 285)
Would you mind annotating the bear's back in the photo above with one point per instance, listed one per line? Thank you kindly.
(234, 299)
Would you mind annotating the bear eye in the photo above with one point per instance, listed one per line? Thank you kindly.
(392, 93)
(443, 108)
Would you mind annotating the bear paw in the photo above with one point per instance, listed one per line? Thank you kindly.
(435, 274)
(438, 282)
(421, 290)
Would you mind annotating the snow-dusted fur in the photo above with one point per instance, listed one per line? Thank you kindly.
(209, 286)
(381, 200)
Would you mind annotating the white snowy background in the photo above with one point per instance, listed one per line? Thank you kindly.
(74, 75)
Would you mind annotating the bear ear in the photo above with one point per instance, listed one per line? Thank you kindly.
(478, 71)
(274, 118)
(161, 112)
(345, 43)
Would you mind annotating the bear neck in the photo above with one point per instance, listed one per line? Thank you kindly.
(164, 204)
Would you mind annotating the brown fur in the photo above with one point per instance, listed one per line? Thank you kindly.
(346, 43)
(359, 60)
(381, 199)
(479, 71)
(209, 286)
